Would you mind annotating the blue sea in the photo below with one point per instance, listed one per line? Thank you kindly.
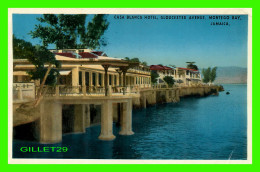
(207, 128)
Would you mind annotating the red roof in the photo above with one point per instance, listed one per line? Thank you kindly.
(83, 55)
(187, 69)
(159, 67)
(66, 54)
(99, 53)
(87, 55)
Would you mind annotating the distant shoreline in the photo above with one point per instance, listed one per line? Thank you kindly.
(231, 83)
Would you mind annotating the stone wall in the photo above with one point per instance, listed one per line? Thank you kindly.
(167, 95)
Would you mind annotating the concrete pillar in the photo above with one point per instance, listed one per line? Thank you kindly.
(79, 118)
(87, 115)
(50, 122)
(115, 112)
(83, 78)
(102, 80)
(90, 79)
(106, 78)
(75, 76)
(124, 70)
(117, 80)
(112, 80)
(126, 125)
(106, 121)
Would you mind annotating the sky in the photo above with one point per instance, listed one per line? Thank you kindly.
(157, 40)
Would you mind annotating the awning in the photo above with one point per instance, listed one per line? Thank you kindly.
(65, 72)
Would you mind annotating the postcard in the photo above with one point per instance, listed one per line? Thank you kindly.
(130, 86)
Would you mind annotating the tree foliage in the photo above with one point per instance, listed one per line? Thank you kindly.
(213, 74)
(191, 65)
(209, 75)
(38, 56)
(96, 28)
(206, 74)
(154, 77)
(65, 30)
(172, 66)
(136, 59)
(169, 80)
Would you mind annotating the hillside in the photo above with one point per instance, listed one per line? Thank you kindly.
(231, 75)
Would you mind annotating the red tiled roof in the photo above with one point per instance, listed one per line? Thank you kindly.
(187, 69)
(83, 55)
(66, 54)
(99, 53)
(87, 55)
(159, 67)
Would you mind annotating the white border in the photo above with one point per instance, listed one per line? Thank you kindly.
(184, 11)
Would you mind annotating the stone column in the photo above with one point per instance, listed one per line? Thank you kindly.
(90, 79)
(83, 78)
(106, 78)
(106, 121)
(79, 118)
(50, 125)
(87, 115)
(84, 83)
(75, 76)
(124, 70)
(126, 125)
(135, 80)
(122, 80)
(117, 80)
(102, 80)
(112, 80)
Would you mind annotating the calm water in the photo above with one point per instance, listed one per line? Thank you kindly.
(213, 127)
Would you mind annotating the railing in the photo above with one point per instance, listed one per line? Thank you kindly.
(165, 86)
(64, 90)
(23, 91)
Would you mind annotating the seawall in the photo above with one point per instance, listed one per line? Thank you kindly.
(166, 95)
